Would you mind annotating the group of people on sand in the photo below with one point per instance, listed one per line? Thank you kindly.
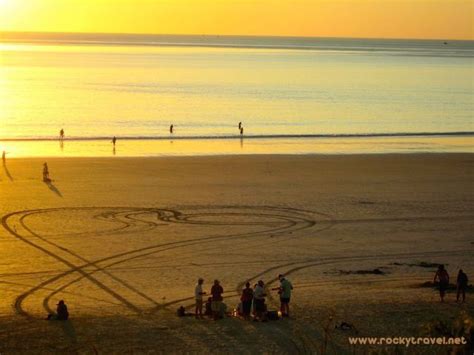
(442, 277)
(252, 300)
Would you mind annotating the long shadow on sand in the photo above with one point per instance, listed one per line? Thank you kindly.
(53, 188)
(7, 172)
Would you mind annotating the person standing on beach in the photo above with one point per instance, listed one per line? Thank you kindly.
(462, 282)
(241, 131)
(216, 305)
(443, 277)
(285, 294)
(46, 173)
(246, 299)
(240, 125)
(61, 134)
(198, 293)
(171, 129)
(114, 140)
(259, 299)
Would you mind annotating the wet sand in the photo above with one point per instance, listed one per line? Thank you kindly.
(123, 240)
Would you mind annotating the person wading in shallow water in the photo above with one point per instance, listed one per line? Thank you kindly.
(443, 277)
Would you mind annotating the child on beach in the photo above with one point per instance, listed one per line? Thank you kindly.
(46, 173)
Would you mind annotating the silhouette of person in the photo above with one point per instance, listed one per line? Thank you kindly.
(246, 299)
(462, 282)
(443, 277)
(46, 173)
(61, 312)
(61, 134)
(198, 293)
(284, 292)
(114, 140)
(259, 301)
(240, 125)
(216, 305)
(171, 129)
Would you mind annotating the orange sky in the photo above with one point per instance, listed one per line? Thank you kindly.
(445, 19)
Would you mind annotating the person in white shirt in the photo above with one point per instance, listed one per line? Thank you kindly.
(198, 293)
(259, 299)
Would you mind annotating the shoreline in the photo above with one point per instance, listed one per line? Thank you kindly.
(257, 136)
(250, 156)
(239, 146)
(244, 156)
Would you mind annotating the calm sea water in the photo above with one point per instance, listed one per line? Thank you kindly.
(137, 86)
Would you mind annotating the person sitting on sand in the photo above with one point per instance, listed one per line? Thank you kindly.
(61, 312)
(208, 310)
(285, 294)
(216, 292)
(246, 299)
(259, 299)
(46, 173)
(443, 277)
(198, 293)
(461, 284)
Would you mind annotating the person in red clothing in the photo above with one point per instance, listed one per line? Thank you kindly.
(443, 277)
(216, 305)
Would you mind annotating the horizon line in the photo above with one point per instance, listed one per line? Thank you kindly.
(6, 32)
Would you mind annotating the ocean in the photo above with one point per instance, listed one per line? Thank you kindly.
(292, 95)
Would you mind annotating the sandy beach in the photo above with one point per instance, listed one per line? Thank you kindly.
(123, 241)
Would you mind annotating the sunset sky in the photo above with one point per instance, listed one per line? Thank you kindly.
(450, 19)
